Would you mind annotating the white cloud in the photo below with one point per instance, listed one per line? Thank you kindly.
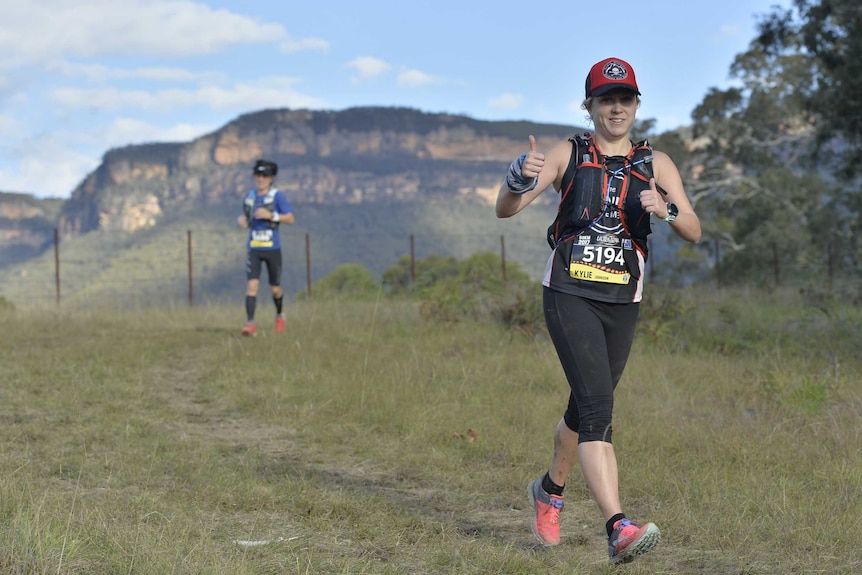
(290, 45)
(368, 67)
(273, 92)
(9, 125)
(507, 101)
(166, 74)
(54, 164)
(47, 167)
(33, 32)
(414, 78)
(101, 74)
(125, 131)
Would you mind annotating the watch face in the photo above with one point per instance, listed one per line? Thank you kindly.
(672, 212)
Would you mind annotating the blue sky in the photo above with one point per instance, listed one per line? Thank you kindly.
(79, 77)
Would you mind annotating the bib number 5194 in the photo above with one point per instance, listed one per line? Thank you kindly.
(603, 255)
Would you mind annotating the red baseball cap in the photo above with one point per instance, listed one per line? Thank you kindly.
(609, 74)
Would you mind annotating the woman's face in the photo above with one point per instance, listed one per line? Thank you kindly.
(614, 113)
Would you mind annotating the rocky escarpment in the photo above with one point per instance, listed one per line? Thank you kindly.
(26, 225)
(352, 156)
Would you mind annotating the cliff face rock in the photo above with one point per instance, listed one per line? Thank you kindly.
(26, 225)
(352, 156)
(325, 157)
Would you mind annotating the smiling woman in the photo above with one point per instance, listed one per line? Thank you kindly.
(609, 188)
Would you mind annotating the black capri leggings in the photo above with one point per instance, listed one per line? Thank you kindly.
(593, 340)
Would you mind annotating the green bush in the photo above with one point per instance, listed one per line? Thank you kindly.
(351, 281)
(475, 289)
(429, 271)
(6, 306)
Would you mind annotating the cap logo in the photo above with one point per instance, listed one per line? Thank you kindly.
(613, 70)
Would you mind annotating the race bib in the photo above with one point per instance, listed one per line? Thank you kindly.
(261, 239)
(600, 258)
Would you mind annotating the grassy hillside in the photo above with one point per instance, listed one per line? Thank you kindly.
(117, 269)
(130, 270)
(368, 440)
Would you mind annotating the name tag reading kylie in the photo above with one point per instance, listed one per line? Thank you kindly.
(600, 258)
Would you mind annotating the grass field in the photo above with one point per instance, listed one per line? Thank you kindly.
(369, 440)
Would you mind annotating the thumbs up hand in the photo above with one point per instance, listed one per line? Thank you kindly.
(651, 200)
(533, 162)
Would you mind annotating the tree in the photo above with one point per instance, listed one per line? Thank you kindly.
(825, 35)
(767, 180)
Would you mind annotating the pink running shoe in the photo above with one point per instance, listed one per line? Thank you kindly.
(546, 520)
(279, 324)
(249, 329)
(630, 539)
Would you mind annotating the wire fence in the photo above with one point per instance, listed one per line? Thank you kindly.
(200, 267)
(186, 267)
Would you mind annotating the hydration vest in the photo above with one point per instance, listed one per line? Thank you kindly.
(268, 203)
(584, 194)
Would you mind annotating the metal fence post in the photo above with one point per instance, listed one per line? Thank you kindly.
(191, 284)
(57, 263)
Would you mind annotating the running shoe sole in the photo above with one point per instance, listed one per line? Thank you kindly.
(643, 544)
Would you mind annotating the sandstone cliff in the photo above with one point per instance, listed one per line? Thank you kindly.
(352, 156)
(26, 225)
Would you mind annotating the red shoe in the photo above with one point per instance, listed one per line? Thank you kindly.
(547, 507)
(630, 539)
(279, 323)
(249, 329)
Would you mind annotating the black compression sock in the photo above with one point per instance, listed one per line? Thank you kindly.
(610, 524)
(550, 487)
(250, 302)
(278, 301)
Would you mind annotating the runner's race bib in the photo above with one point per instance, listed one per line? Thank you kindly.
(601, 258)
(261, 239)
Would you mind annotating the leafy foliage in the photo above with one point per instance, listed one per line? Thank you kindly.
(825, 38)
(6, 306)
(472, 289)
(774, 155)
(350, 281)
(398, 279)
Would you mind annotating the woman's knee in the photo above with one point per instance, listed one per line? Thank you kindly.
(594, 426)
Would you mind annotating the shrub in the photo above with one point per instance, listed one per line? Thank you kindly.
(475, 289)
(352, 281)
(429, 271)
(6, 306)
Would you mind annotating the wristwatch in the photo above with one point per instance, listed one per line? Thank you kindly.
(672, 212)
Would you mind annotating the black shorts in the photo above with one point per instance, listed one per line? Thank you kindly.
(272, 259)
(593, 340)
